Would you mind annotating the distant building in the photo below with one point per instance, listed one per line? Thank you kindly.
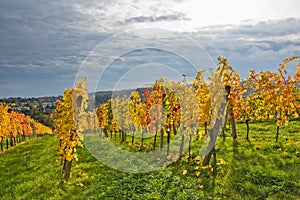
(21, 108)
(48, 104)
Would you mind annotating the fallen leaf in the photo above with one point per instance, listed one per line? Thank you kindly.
(205, 167)
(197, 158)
(80, 184)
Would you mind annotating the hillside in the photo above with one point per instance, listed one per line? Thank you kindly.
(260, 169)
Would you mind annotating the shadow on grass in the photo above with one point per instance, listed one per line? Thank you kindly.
(250, 144)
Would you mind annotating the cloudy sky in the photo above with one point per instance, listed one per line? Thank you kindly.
(44, 43)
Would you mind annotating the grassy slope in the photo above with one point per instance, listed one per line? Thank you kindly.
(261, 169)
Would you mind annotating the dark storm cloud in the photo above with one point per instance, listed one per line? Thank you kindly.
(42, 44)
(141, 19)
(261, 46)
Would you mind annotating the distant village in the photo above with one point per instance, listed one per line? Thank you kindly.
(47, 107)
(41, 109)
(43, 104)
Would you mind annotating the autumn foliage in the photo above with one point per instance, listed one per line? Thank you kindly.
(15, 127)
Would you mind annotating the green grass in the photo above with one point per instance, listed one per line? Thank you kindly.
(259, 169)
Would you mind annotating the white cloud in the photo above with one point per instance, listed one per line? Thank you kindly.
(204, 13)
